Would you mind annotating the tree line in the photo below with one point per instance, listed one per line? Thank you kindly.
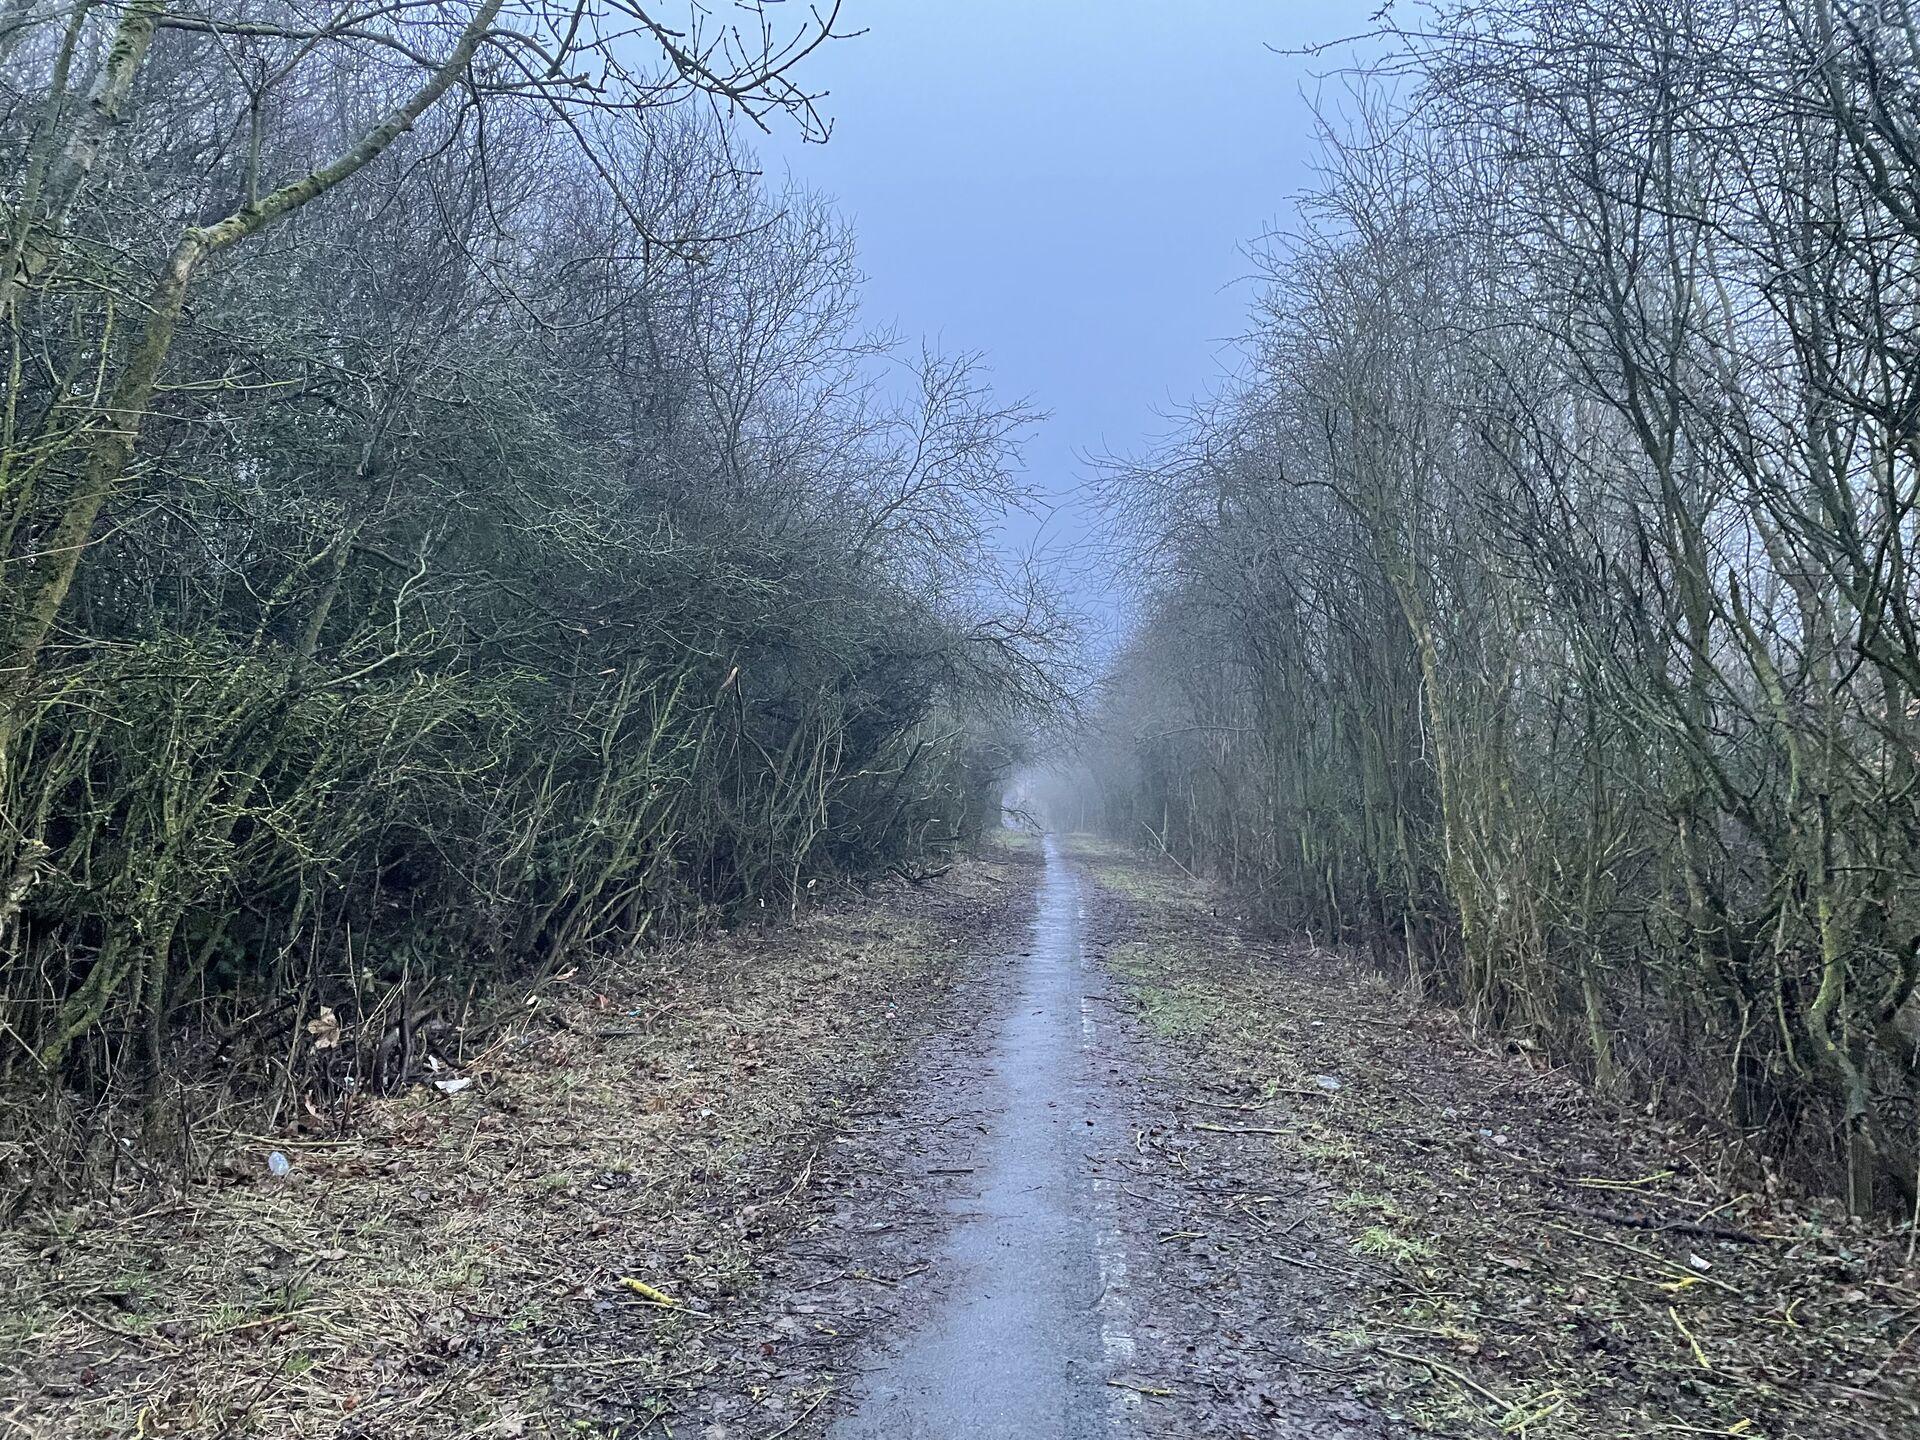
(452, 520)
(1537, 611)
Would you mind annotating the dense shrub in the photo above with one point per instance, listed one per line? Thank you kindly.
(510, 549)
(1539, 614)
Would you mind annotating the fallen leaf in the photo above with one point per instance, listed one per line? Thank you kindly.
(647, 1292)
(325, 1029)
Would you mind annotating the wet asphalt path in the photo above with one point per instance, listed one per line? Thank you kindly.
(1030, 1322)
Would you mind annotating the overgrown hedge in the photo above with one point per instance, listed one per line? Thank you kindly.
(522, 552)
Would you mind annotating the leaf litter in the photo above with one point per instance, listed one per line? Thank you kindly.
(565, 1238)
(1494, 1249)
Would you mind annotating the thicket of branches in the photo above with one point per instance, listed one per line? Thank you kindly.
(1541, 613)
(450, 519)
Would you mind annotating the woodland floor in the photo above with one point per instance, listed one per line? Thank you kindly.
(726, 1193)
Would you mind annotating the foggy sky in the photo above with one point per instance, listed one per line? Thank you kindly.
(1069, 186)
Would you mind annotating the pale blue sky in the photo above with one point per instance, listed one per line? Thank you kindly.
(1069, 186)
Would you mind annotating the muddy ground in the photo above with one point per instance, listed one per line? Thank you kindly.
(461, 1264)
(1483, 1247)
(1022, 1152)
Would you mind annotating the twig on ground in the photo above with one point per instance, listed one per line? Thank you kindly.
(1220, 1104)
(1439, 1367)
(1679, 1271)
(795, 1424)
(1655, 1223)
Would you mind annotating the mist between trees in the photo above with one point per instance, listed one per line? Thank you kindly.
(1540, 613)
(452, 523)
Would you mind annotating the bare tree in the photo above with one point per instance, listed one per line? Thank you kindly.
(1552, 568)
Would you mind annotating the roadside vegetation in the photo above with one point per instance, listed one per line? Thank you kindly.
(452, 522)
(1537, 615)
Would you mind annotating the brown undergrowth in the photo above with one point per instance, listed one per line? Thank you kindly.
(541, 1252)
(1555, 1266)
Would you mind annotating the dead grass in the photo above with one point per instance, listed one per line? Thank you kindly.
(458, 1265)
(1496, 1194)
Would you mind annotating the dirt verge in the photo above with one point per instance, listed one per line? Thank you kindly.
(1490, 1248)
(572, 1243)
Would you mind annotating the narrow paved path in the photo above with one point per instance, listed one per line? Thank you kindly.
(1029, 1325)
